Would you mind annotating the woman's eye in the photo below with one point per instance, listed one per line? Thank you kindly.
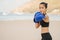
(41, 7)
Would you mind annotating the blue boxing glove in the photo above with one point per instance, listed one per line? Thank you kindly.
(38, 17)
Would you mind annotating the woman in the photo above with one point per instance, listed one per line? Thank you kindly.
(44, 23)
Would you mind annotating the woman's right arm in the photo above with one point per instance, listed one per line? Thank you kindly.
(37, 25)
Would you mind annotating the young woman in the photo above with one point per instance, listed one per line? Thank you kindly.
(44, 23)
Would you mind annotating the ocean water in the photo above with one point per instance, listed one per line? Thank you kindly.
(11, 16)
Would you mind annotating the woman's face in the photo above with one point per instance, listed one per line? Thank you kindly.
(42, 8)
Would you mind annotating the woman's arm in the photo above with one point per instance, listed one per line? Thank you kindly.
(37, 25)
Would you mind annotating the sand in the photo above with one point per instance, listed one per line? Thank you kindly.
(25, 30)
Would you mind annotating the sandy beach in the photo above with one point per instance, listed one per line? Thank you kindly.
(25, 30)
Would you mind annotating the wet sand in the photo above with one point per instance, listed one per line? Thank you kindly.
(25, 30)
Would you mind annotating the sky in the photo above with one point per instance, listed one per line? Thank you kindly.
(8, 5)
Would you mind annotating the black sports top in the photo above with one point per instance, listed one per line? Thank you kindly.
(44, 24)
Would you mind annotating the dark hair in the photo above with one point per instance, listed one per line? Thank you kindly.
(45, 4)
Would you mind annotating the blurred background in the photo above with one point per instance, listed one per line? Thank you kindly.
(16, 19)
